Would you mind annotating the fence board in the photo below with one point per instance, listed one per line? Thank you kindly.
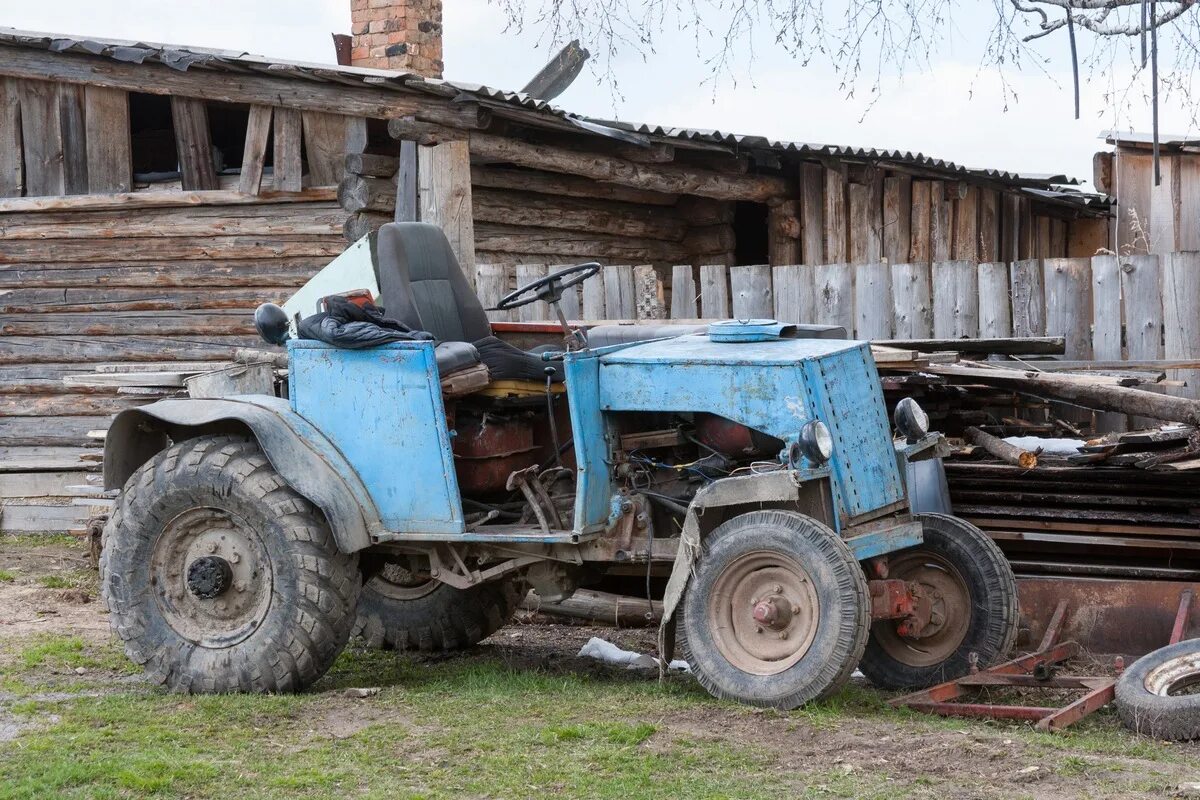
(1106, 326)
(527, 274)
(491, 283)
(833, 302)
(912, 300)
(955, 299)
(1140, 286)
(570, 300)
(873, 301)
(714, 291)
(593, 298)
(648, 293)
(684, 297)
(750, 289)
(793, 293)
(1068, 292)
(1181, 315)
(1028, 303)
(995, 305)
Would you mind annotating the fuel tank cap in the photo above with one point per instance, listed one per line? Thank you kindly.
(746, 330)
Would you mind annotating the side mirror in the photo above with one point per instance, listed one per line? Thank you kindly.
(271, 322)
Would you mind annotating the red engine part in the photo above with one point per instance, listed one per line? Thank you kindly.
(734, 439)
(488, 448)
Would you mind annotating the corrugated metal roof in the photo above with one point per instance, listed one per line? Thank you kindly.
(1142, 138)
(1052, 187)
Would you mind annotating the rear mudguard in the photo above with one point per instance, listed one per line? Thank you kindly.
(301, 455)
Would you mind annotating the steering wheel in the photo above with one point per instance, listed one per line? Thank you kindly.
(549, 288)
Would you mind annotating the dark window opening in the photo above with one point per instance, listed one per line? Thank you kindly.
(152, 138)
(227, 123)
(750, 233)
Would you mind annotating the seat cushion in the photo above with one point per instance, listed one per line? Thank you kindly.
(506, 362)
(453, 356)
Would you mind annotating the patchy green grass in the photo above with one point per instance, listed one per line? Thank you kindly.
(24, 540)
(70, 652)
(7, 576)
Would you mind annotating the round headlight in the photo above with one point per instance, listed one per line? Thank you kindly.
(911, 419)
(816, 441)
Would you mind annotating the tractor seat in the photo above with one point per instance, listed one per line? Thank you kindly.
(422, 285)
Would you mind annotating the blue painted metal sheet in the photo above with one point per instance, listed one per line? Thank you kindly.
(382, 408)
(878, 543)
(593, 491)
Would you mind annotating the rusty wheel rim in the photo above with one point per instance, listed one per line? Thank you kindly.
(211, 577)
(763, 612)
(1179, 675)
(400, 583)
(950, 611)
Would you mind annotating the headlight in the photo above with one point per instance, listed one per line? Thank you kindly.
(816, 442)
(911, 419)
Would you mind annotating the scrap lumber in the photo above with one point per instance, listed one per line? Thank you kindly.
(602, 607)
(1008, 453)
(1021, 345)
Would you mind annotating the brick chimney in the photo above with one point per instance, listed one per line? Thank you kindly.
(403, 35)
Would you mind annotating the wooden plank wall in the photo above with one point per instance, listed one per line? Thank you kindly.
(123, 285)
(1153, 219)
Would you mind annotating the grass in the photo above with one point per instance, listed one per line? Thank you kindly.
(7, 576)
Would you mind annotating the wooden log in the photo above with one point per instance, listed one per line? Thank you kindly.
(34, 349)
(750, 292)
(920, 250)
(288, 168)
(286, 272)
(783, 233)
(812, 213)
(254, 153)
(833, 296)
(897, 218)
(1068, 288)
(912, 300)
(619, 292)
(49, 431)
(39, 484)
(940, 232)
(837, 247)
(152, 224)
(873, 301)
(193, 143)
(666, 178)
(20, 459)
(558, 185)
(1028, 298)
(1043, 345)
(120, 323)
(649, 295)
(29, 518)
(709, 239)
(995, 307)
(356, 193)
(164, 199)
(22, 404)
(955, 300)
(793, 294)
(622, 219)
(714, 291)
(372, 165)
(1181, 315)
(324, 147)
(1008, 453)
(599, 607)
(444, 197)
(74, 135)
(108, 147)
(80, 299)
(12, 165)
(68, 251)
(363, 223)
(572, 244)
(527, 274)
(685, 297)
(41, 137)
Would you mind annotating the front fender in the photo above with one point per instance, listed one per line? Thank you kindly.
(301, 455)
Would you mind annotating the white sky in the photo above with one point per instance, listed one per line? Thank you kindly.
(956, 111)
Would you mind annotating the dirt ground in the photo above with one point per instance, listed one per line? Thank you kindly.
(864, 747)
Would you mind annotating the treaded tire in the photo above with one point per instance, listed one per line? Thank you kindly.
(444, 619)
(991, 629)
(840, 625)
(1163, 716)
(304, 616)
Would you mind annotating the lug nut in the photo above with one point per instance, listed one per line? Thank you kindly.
(234, 558)
(795, 609)
(778, 589)
(212, 547)
(783, 634)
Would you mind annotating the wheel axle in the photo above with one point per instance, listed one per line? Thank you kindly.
(209, 577)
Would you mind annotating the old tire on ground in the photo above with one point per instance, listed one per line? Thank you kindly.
(974, 599)
(776, 613)
(398, 611)
(220, 578)
(1153, 697)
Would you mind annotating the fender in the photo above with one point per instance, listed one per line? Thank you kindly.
(302, 456)
(809, 491)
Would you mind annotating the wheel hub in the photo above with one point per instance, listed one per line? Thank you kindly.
(941, 612)
(774, 612)
(209, 576)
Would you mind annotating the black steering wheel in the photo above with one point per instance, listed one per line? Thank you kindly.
(549, 288)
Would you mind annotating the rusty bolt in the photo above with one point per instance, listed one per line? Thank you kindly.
(626, 506)
(778, 589)
(234, 558)
(212, 547)
(795, 609)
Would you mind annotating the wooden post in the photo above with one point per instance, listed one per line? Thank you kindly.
(193, 142)
(873, 301)
(833, 297)
(793, 294)
(836, 242)
(812, 213)
(714, 291)
(955, 300)
(109, 158)
(912, 300)
(1028, 298)
(684, 297)
(783, 233)
(406, 184)
(288, 166)
(1068, 288)
(995, 308)
(258, 130)
(750, 291)
(12, 166)
(1181, 316)
(444, 180)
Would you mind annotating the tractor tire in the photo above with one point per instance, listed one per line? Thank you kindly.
(220, 578)
(776, 613)
(396, 612)
(975, 606)
(1151, 696)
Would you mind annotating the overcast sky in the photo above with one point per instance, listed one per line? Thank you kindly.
(956, 111)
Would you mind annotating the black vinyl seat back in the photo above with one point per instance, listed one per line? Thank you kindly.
(422, 285)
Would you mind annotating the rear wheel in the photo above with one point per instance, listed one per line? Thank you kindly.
(776, 614)
(403, 611)
(220, 578)
(971, 605)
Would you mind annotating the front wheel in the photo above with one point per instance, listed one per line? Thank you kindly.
(972, 608)
(220, 578)
(776, 613)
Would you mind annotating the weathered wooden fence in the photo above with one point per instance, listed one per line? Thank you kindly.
(1108, 307)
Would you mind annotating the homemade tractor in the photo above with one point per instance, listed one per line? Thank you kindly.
(413, 492)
